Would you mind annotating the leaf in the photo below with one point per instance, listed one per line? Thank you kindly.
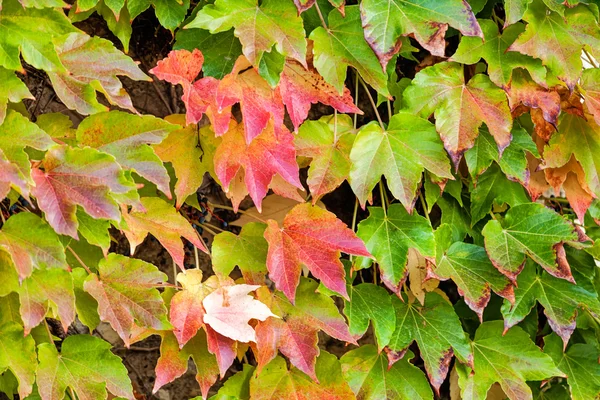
(471, 270)
(493, 187)
(312, 237)
(585, 148)
(524, 93)
(436, 329)
(16, 168)
(388, 236)
(248, 251)
(236, 386)
(259, 27)
(173, 362)
(13, 90)
(86, 365)
(589, 88)
(162, 221)
(369, 302)
(560, 299)
(127, 137)
(509, 360)
(18, 356)
(303, 5)
(84, 177)
(400, 153)
(459, 107)
(385, 22)
(36, 248)
(532, 230)
(224, 349)
(126, 293)
(85, 304)
(41, 288)
(492, 48)
(37, 28)
(558, 40)
(515, 9)
(277, 382)
(187, 313)
(95, 231)
(229, 309)
(295, 332)
(344, 45)
(92, 64)
(579, 363)
(369, 377)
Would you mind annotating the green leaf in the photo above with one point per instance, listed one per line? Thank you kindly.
(86, 365)
(369, 377)
(509, 360)
(560, 299)
(369, 302)
(557, 40)
(529, 230)
(460, 107)
(277, 382)
(220, 50)
(127, 137)
(456, 217)
(493, 187)
(36, 247)
(17, 354)
(85, 304)
(10, 310)
(248, 251)
(515, 9)
(579, 363)
(13, 90)
(259, 27)
(386, 21)
(493, 50)
(237, 386)
(9, 280)
(344, 45)
(95, 231)
(271, 66)
(400, 153)
(389, 236)
(119, 23)
(436, 329)
(126, 293)
(170, 14)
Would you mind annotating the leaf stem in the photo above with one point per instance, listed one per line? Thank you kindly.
(79, 260)
(372, 103)
(424, 204)
(175, 273)
(223, 207)
(381, 193)
(321, 16)
(354, 219)
(196, 258)
(590, 58)
(355, 97)
(209, 230)
(389, 107)
(48, 331)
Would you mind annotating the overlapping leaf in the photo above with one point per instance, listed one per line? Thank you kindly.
(13, 90)
(18, 355)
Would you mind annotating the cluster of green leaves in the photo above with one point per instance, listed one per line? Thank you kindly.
(478, 158)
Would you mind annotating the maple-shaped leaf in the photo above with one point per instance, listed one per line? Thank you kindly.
(580, 138)
(579, 363)
(187, 313)
(92, 64)
(164, 222)
(401, 152)
(248, 251)
(37, 247)
(589, 84)
(509, 360)
(460, 107)
(313, 237)
(388, 236)
(386, 22)
(84, 177)
(492, 48)
(125, 292)
(17, 354)
(296, 332)
(173, 362)
(560, 300)
(13, 90)
(436, 329)
(85, 365)
(327, 142)
(276, 382)
(373, 303)
(558, 40)
(370, 378)
(14, 161)
(259, 27)
(127, 137)
(532, 230)
(41, 288)
(342, 45)
(36, 29)
(94, 231)
(471, 270)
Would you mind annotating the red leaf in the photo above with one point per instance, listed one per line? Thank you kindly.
(312, 237)
(223, 348)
